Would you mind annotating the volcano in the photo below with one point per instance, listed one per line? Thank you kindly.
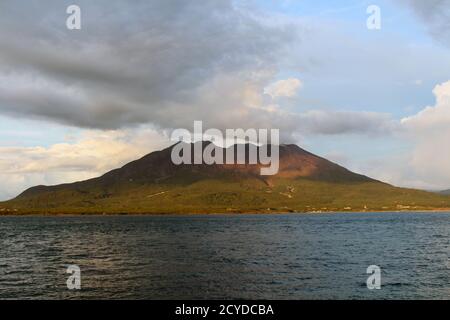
(155, 185)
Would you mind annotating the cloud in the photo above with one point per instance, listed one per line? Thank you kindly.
(415, 156)
(283, 88)
(435, 14)
(432, 117)
(167, 63)
(429, 130)
(345, 122)
(90, 155)
(419, 158)
(153, 62)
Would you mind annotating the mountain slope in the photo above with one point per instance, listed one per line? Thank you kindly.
(153, 184)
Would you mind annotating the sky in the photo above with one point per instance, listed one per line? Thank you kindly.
(77, 103)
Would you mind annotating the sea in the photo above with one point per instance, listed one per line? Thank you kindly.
(233, 256)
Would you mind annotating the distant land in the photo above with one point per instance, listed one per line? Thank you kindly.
(154, 185)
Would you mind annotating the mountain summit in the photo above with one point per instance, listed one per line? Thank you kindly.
(154, 184)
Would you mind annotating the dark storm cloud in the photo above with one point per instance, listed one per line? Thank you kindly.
(164, 62)
(141, 59)
(436, 15)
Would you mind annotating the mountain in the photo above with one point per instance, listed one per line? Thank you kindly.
(153, 184)
(445, 192)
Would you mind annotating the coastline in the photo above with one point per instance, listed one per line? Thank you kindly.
(206, 213)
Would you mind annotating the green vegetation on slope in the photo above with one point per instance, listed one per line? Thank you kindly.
(229, 195)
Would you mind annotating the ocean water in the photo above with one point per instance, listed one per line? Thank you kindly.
(296, 256)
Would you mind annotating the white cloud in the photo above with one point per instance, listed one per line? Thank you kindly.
(423, 161)
(433, 117)
(418, 155)
(430, 132)
(283, 88)
(91, 155)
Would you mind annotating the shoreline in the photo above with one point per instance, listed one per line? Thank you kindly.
(175, 214)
